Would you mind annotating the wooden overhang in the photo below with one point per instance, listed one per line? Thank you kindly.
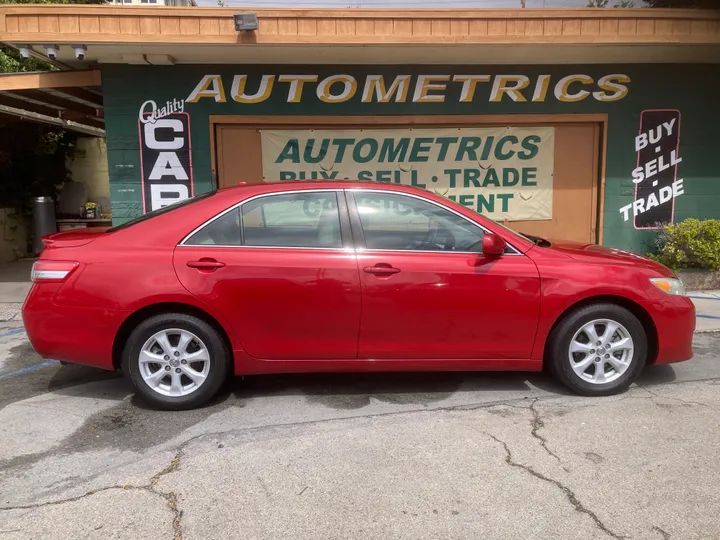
(193, 25)
(68, 99)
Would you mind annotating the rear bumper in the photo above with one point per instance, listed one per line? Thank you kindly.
(70, 334)
(675, 323)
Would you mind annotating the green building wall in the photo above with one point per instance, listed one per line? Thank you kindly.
(691, 89)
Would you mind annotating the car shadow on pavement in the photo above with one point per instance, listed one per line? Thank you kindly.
(69, 376)
(355, 390)
(655, 375)
(340, 390)
(35, 377)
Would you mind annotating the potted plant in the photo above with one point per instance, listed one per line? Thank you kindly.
(91, 211)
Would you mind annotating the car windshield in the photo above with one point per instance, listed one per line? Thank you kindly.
(160, 211)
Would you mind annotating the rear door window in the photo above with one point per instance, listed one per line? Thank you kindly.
(299, 220)
(302, 220)
(223, 231)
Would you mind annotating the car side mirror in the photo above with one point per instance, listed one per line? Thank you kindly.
(493, 245)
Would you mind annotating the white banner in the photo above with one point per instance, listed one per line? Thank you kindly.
(503, 172)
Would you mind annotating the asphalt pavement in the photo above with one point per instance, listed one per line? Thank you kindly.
(374, 456)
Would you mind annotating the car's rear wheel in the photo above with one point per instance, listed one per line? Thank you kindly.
(598, 350)
(176, 361)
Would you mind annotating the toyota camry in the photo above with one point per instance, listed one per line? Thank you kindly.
(345, 276)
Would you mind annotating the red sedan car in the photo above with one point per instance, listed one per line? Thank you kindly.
(345, 276)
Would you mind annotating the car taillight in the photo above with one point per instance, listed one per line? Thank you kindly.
(43, 271)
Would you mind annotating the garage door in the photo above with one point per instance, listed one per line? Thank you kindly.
(572, 171)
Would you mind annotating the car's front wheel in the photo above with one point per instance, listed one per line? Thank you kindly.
(598, 350)
(176, 361)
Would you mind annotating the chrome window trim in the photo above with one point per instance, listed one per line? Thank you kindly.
(346, 250)
(254, 197)
(361, 251)
(486, 231)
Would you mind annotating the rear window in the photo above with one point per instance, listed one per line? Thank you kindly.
(161, 211)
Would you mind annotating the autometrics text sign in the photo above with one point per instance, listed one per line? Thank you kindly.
(339, 88)
(504, 172)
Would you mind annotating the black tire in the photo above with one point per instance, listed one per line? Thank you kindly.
(219, 365)
(560, 339)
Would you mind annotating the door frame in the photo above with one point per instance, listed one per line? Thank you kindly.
(418, 121)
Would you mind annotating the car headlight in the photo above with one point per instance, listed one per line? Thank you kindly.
(669, 285)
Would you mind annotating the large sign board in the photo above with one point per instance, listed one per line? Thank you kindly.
(657, 163)
(503, 172)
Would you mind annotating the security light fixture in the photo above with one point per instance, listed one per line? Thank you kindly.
(245, 22)
(24, 51)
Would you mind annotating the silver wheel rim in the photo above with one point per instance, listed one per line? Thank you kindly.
(601, 351)
(174, 362)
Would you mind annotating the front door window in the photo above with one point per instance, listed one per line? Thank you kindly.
(402, 223)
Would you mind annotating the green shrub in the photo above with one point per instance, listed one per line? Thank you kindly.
(690, 244)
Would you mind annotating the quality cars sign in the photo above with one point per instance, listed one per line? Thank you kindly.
(165, 154)
(503, 172)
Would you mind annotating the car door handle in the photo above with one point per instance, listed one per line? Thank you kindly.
(206, 264)
(381, 269)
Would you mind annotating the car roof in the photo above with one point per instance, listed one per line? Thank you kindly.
(295, 185)
(154, 233)
(260, 188)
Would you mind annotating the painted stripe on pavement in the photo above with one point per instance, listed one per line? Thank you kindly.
(13, 332)
(28, 369)
(708, 316)
(705, 297)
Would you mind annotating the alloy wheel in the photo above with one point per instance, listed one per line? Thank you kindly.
(174, 362)
(601, 351)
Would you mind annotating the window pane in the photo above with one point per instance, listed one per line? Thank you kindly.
(293, 220)
(224, 231)
(402, 223)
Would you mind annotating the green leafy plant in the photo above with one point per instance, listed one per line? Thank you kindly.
(692, 243)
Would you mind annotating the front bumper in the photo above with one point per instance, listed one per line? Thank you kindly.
(675, 320)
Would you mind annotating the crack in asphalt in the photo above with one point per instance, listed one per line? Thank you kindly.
(69, 499)
(171, 468)
(170, 497)
(537, 423)
(571, 497)
(666, 535)
(686, 401)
